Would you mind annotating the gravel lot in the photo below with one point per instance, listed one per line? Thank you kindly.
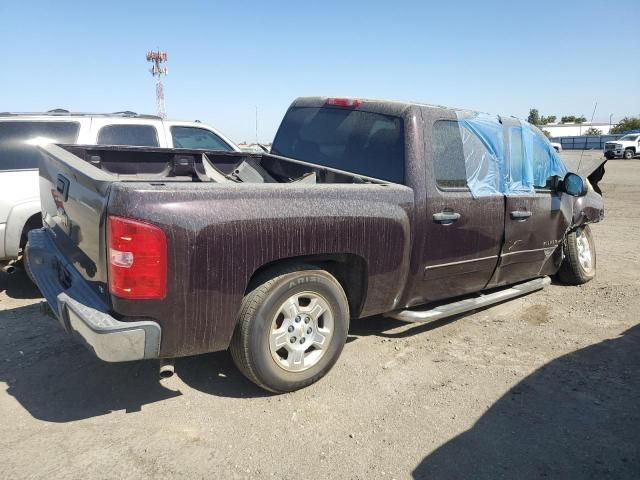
(543, 386)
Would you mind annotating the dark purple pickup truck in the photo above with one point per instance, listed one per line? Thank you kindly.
(361, 208)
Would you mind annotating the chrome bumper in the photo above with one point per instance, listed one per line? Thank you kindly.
(81, 311)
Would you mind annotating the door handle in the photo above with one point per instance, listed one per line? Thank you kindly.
(520, 215)
(446, 217)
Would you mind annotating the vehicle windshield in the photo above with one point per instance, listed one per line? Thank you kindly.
(630, 138)
(360, 142)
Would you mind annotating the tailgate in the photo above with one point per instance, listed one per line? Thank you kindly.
(74, 197)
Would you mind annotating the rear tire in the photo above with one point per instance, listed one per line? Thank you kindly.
(25, 263)
(628, 154)
(579, 264)
(292, 328)
(33, 223)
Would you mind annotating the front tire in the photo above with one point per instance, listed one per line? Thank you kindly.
(628, 154)
(293, 326)
(579, 264)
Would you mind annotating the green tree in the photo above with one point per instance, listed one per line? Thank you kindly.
(534, 117)
(573, 119)
(547, 120)
(592, 131)
(627, 123)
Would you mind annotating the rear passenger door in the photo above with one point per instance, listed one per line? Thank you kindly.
(128, 132)
(463, 234)
(535, 221)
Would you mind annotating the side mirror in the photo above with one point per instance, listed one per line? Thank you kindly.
(574, 185)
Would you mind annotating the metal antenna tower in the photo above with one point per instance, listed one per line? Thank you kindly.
(157, 70)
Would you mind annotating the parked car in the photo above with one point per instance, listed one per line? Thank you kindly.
(254, 147)
(626, 147)
(20, 200)
(556, 146)
(362, 208)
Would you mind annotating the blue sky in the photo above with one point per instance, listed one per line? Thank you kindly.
(226, 58)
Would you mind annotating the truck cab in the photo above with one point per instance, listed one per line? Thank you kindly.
(488, 207)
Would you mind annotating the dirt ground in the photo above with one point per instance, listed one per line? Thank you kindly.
(545, 386)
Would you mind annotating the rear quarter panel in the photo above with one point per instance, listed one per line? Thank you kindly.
(219, 235)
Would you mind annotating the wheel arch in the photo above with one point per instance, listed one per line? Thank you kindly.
(21, 219)
(349, 269)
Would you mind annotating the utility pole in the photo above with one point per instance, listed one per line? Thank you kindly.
(157, 58)
(257, 125)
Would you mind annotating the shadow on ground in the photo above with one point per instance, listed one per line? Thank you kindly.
(381, 326)
(18, 285)
(576, 417)
(55, 378)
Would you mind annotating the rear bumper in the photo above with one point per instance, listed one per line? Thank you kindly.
(81, 311)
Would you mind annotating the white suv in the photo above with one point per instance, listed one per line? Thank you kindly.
(626, 147)
(19, 190)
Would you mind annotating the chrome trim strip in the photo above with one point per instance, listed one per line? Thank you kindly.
(550, 247)
(451, 264)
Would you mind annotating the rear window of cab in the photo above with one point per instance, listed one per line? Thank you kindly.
(364, 143)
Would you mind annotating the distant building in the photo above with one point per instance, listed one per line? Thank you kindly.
(557, 130)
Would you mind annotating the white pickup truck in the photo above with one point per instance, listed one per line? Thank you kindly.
(20, 198)
(626, 147)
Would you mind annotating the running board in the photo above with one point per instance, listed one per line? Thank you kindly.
(461, 306)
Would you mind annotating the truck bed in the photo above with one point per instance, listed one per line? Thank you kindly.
(182, 165)
(220, 234)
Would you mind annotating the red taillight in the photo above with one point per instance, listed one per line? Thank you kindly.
(343, 102)
(137, 259)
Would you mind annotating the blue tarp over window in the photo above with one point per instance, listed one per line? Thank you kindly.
(483, 146)
(531, 162)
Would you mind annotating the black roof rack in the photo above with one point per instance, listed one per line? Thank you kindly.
(63, 112)
(126, 113)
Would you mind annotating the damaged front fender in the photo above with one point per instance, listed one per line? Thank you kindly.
(590, 168)
(588, 208)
